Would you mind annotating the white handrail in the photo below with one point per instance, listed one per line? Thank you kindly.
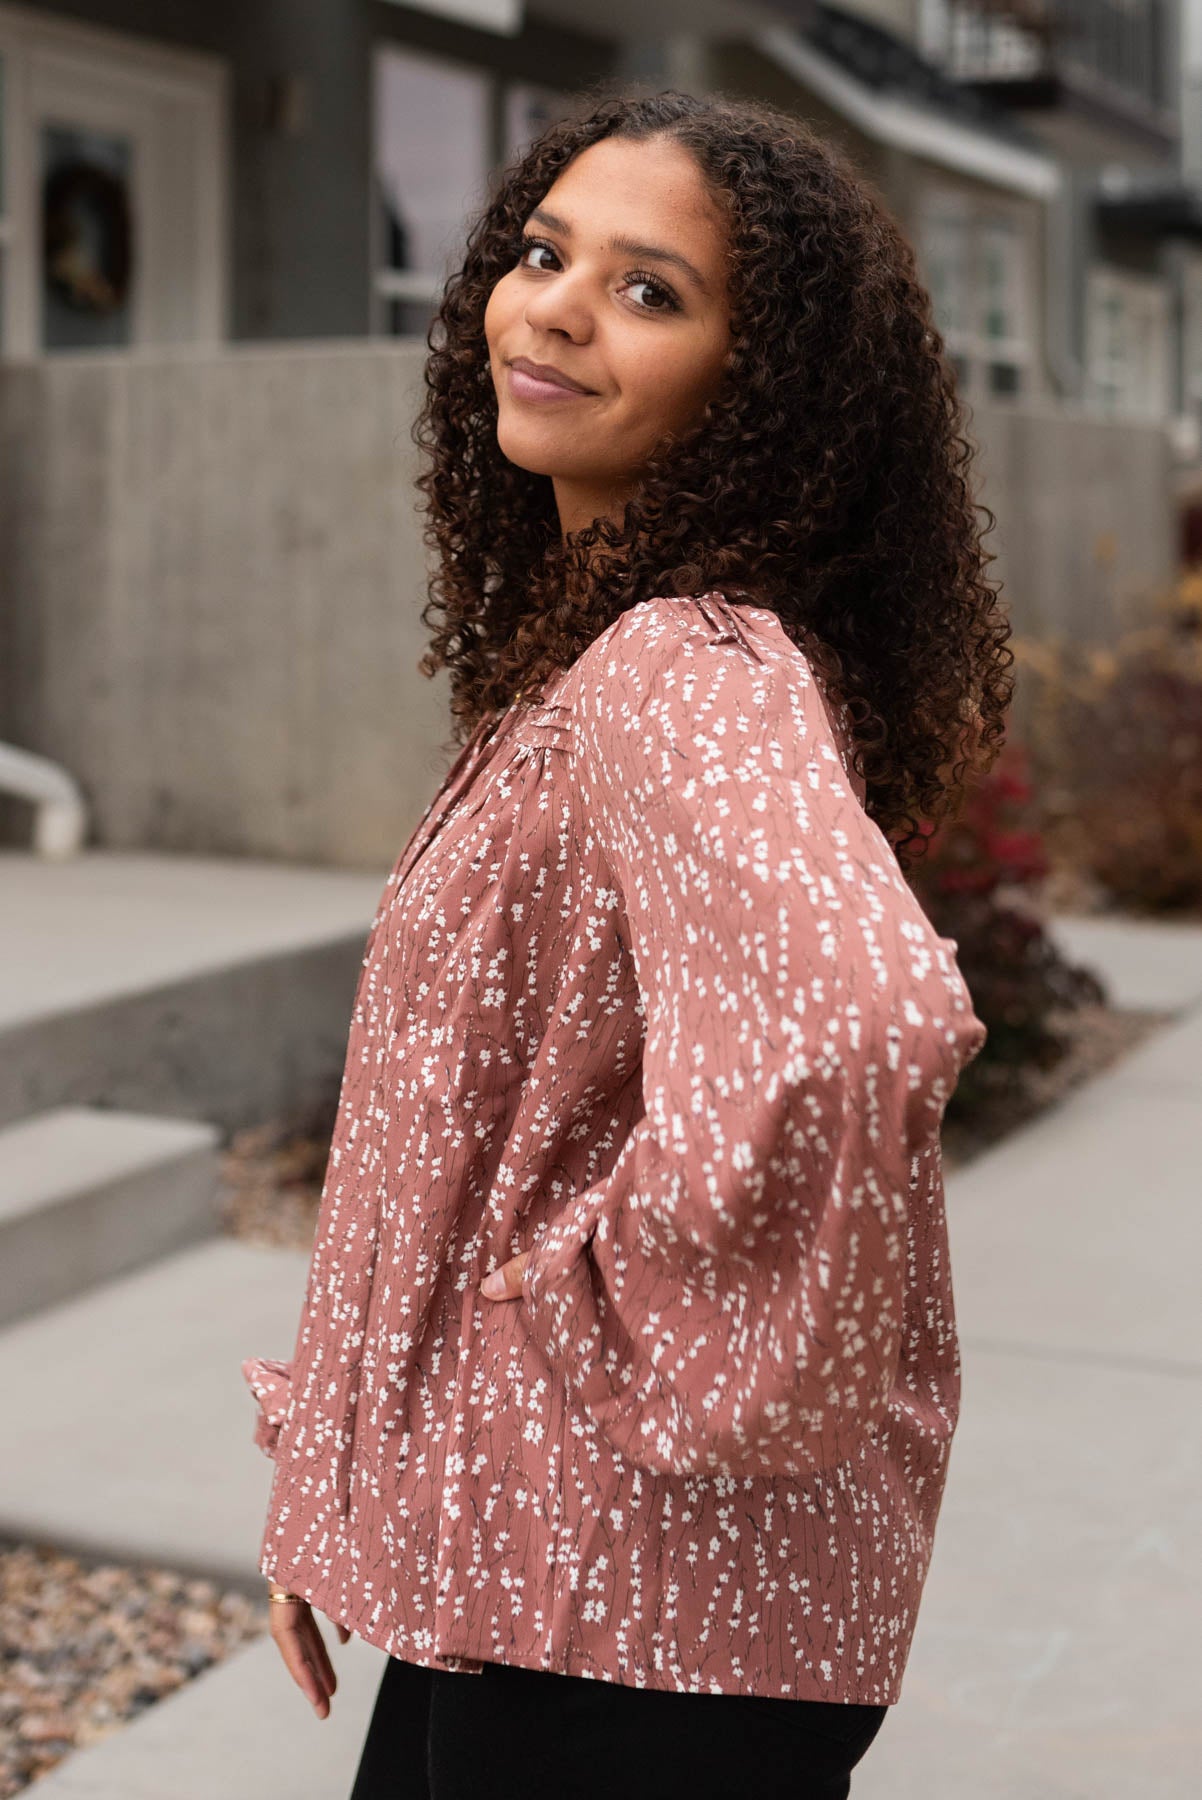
(60, 819)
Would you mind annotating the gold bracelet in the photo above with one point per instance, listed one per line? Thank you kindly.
(284, 1598)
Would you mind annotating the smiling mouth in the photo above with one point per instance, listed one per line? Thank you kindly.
(526, 384)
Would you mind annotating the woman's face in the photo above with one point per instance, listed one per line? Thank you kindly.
(621, 286)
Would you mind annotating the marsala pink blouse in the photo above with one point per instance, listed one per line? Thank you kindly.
(647, 993)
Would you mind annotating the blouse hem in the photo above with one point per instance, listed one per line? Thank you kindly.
(470, 1659)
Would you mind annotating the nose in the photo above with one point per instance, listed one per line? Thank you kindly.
(561, 302)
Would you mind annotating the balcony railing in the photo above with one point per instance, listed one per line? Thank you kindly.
(1033, 44)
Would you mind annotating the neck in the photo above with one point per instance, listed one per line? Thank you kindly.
(581, 503)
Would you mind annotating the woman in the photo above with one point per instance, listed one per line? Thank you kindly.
(628, 1371)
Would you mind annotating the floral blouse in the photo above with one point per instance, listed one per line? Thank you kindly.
(648, 995)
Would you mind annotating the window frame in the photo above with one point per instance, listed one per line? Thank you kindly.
(386, 284)
(1136, 392)
(424, 286)
(970, 345)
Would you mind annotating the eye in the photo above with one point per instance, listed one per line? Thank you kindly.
(633, 277)
(526, 244)
(640, 278)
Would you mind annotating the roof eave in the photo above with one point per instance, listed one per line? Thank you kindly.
(904, 126)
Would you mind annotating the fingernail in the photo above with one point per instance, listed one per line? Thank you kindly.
(494, 1285)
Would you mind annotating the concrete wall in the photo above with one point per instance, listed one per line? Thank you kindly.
(212, 570)
(1087, 517)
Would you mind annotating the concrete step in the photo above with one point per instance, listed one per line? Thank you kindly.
(128, 1429)
(209, 988)
(87, 1194)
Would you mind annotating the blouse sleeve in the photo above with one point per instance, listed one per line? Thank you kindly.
(730, 1298)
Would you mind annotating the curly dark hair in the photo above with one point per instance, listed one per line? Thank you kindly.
(826, 478)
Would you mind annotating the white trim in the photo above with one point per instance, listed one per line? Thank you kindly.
(905, 126)
(504, 17)
(162, 68)
(406, 284)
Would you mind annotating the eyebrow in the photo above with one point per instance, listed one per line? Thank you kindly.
(628, 245)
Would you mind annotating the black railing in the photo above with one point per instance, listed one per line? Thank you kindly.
(1123, 44)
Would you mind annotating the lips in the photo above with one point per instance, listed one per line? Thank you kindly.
(546, 375)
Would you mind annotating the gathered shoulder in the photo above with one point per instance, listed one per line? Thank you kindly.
(660, 629)
(697, 663)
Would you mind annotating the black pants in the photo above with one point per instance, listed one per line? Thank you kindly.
(526, 1734)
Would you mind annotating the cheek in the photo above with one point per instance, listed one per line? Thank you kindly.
(671, 383)
(497, 311)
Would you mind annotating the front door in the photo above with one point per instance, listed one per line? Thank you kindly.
(115, 185)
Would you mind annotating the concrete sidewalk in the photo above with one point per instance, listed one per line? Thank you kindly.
(129, 1435)
(1056, 1650)
(240, 1731)
(1055, 1656)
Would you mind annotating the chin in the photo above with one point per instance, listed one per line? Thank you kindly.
(539, 453)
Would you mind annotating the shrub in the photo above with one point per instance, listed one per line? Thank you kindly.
(978, 881)
(1116, 734)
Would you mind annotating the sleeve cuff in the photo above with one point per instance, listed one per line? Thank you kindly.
(270, 1382)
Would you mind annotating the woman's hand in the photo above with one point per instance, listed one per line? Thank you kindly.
(505, 1283)
(304, 1651)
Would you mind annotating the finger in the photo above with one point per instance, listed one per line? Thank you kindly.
(319, 1656)
(292, 1649)
(321, 1705)
(505, 1283)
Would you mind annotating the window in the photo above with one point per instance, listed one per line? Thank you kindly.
(946, 248)
(528, 111)
(1000, 304)
(434, 149)
(1191, 349)
(974, 263)
(432, 154)
(1127, 344)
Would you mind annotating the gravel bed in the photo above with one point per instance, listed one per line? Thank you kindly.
(85, 1646)
(271, 1180)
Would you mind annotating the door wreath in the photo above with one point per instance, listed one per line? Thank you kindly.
(87, 245)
